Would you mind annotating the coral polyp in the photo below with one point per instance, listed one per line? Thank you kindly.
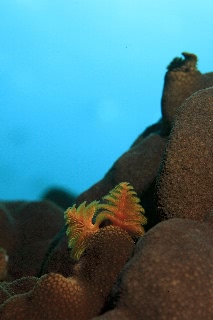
(121, 207)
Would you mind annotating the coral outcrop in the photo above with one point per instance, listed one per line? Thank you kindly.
(140, 164)
(186, 175)
(26, 234)
(170, 275)
(78, 297)
(166, 274)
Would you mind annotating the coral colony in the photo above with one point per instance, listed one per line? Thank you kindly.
(143, 250)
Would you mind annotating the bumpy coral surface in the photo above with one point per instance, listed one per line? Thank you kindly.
(16, 287)
(170, 275)
(81, 296)
(185, 183)
(140, 164)
(26, 231)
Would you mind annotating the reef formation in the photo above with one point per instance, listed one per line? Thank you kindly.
(162, 274)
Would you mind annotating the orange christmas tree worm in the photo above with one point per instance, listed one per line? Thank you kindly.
(121, 207)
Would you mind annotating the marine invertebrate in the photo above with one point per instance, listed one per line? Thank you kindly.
(121, 206)
(123, 209)
(80, 226)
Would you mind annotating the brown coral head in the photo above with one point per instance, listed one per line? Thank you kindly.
(106, 253)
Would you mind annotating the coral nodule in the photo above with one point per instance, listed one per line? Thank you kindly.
(120, 207)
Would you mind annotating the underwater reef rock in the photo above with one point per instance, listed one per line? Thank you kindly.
(167, 273)
(27, 230)
(140, 164)
(16, 287)
(185, 183)
(170, 275)
(78, 297)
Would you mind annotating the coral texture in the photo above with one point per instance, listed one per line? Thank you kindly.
(168, 274)
(16, 287)
(186, 175)
(140, 164)
(81, 296)
(25, 229)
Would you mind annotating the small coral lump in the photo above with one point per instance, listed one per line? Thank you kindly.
(121, 207)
